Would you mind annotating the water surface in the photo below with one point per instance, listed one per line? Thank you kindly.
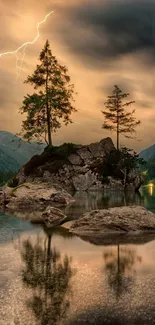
(50, 277)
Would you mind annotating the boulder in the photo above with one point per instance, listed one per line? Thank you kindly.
(53, 217)
(113, 221)
(85, 154)
(100, 149)
(35, 196)
(61, 197)
(75, 159)
(73, 172)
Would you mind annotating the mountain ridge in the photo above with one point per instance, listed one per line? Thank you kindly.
(15, 152)
(148, 153)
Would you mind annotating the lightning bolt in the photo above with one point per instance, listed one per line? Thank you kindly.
(19, 66)
(23, 47)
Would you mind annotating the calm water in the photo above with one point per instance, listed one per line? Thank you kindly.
(52, 277)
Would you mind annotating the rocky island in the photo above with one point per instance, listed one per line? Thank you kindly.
(77, 168)
(48, 181)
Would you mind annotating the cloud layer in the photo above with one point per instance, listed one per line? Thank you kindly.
(109, 30)
(102, 42)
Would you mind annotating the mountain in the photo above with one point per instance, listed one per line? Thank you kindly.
(149, 168)
(148, 153)
(14, 152)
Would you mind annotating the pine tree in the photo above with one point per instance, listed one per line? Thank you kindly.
(117, 118)
(52, 103)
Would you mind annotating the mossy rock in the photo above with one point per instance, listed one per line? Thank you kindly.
(63, 151)
(56, 155)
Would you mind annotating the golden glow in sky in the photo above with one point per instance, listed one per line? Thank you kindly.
(89, 39)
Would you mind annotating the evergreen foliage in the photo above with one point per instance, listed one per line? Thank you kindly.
(119, 163)
(117, 118)
(52, 104)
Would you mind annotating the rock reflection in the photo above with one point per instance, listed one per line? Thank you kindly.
(48, 275)
(119, 267)
(87, 201)
(114, 199)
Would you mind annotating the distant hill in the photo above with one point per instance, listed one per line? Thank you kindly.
(14, 152)
(148, 153)
(149, 168)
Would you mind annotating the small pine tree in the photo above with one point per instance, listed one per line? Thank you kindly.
(52, 103)
(116, 117)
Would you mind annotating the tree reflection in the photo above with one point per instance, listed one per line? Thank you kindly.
(113, 199)
(94, 200)
(120, 268)
(48, 275)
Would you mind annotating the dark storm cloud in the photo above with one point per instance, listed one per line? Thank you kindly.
(99, 31)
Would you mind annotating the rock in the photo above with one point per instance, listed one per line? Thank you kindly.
(75, 159)
(53, 217)
(87, 181)
(85, 154)
(119, 220)
(134, 180)
(76, 168)
(81, 169)
(62, 198)
(100, 149)
(113, 184)
(121, 239)
(46, 175)
(36, 196)
(74, 173)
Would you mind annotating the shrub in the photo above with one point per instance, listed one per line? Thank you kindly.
(119, 161)
(13, 182)
(62, 151)
(51, 154)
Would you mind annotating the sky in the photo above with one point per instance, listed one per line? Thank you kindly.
(102, 42)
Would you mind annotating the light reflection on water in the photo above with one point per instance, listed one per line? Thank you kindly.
(51, 277)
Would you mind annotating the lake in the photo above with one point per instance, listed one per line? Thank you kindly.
(50, 277)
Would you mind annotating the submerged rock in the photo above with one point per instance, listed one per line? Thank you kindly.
(113, 221)
(61, 198)
(53, 217)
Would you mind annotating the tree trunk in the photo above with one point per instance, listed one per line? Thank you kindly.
(49, 125)
(117, 126)
(48, 113)
(117, 137)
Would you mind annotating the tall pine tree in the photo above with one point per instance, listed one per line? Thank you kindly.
(52, 103)
(117, 118)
